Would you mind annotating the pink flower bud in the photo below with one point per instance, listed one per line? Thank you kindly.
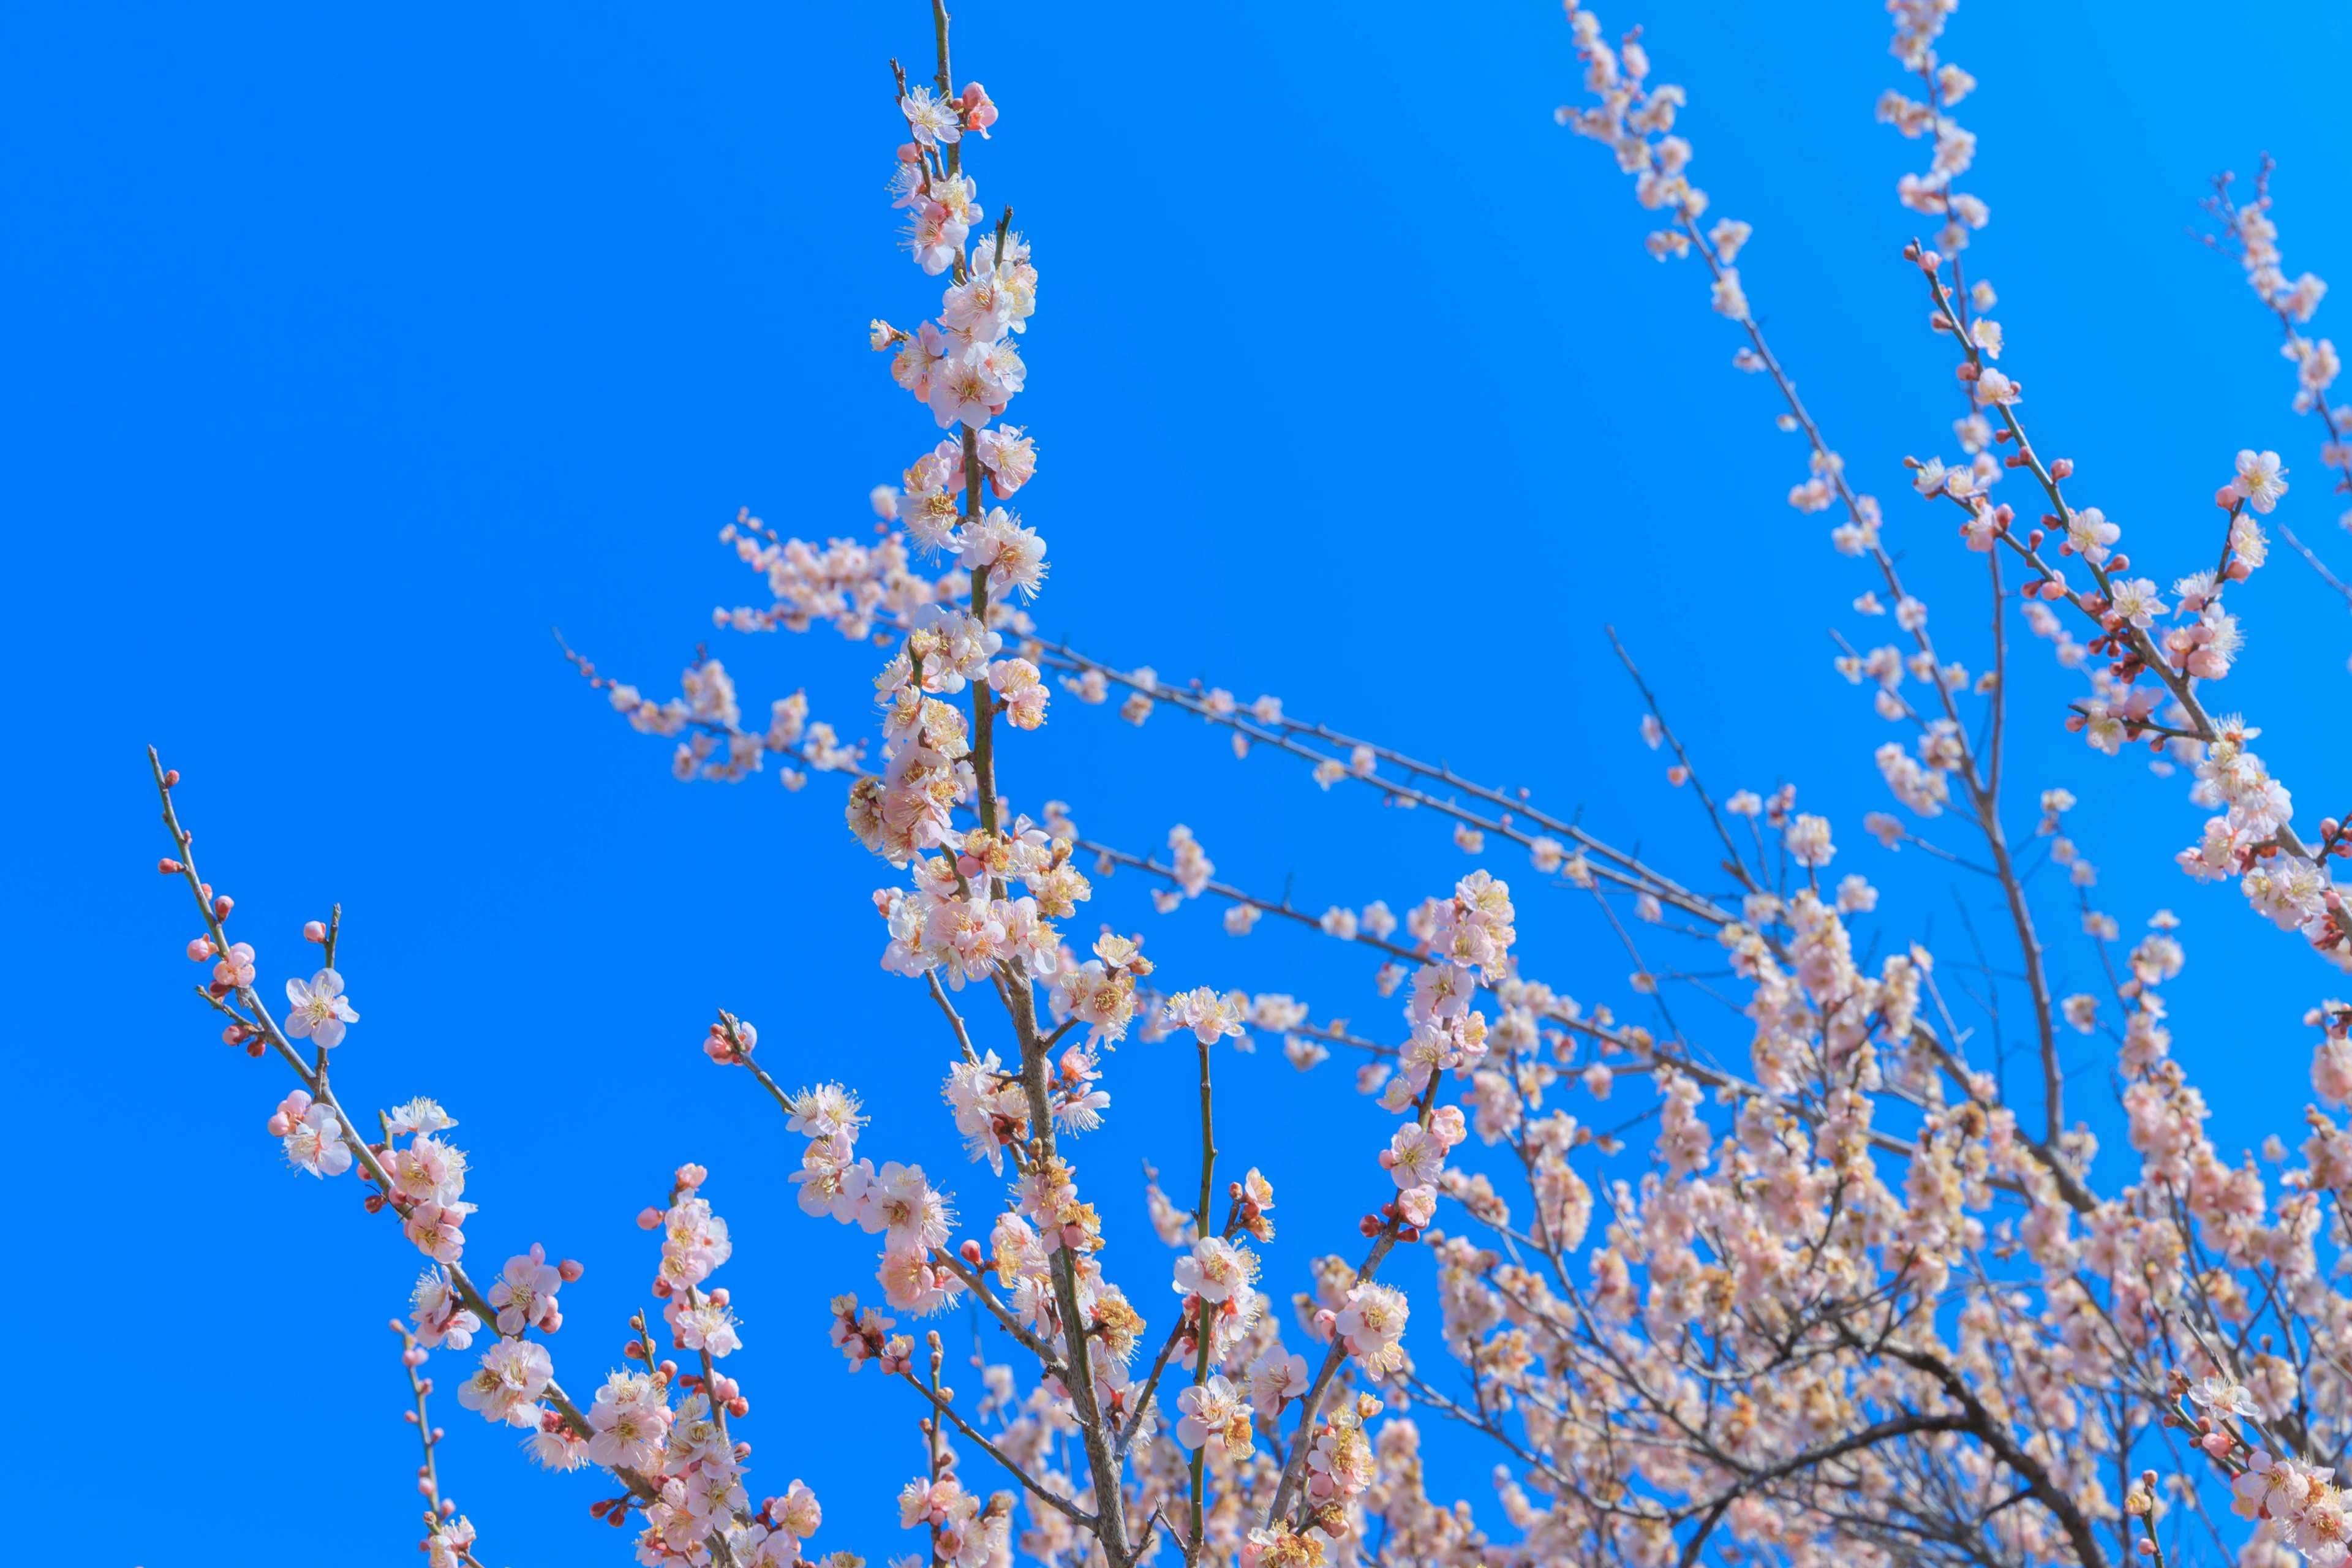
(649, 1219)
(278, 1125)
(569, 1271)
(314, 931)
(200, 949)
(692, 1175)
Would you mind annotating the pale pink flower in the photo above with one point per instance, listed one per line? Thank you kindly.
(2224, 1398)
(931, 120)
(1413, 1158)
(2089, 533)
(507, 1386)
(318, 1010)
(435, 1231)
(525, 1293)
(440, 1315)
(1807, 839)
(707, 1326)
(1372, 1325)
(905, 1207)
(1276, 1377)
(419, 1115)
(314, 1140)
(2261, 480)
(1212, 1015)
(1216, 1415)
(1213, 1271)
(234, 968)
(630, 1420)
(2331, 1071)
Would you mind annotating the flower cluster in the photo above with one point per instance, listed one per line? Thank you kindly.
(1862, 1291)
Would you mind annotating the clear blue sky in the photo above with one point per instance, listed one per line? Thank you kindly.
(350, 348)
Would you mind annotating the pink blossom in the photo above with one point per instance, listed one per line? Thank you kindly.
(507, 1386)
(525, 1293)
(318, 1009)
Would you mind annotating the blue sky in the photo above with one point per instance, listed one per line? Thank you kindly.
(352, 349)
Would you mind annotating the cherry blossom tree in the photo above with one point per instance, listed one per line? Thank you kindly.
(1856, 1302)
